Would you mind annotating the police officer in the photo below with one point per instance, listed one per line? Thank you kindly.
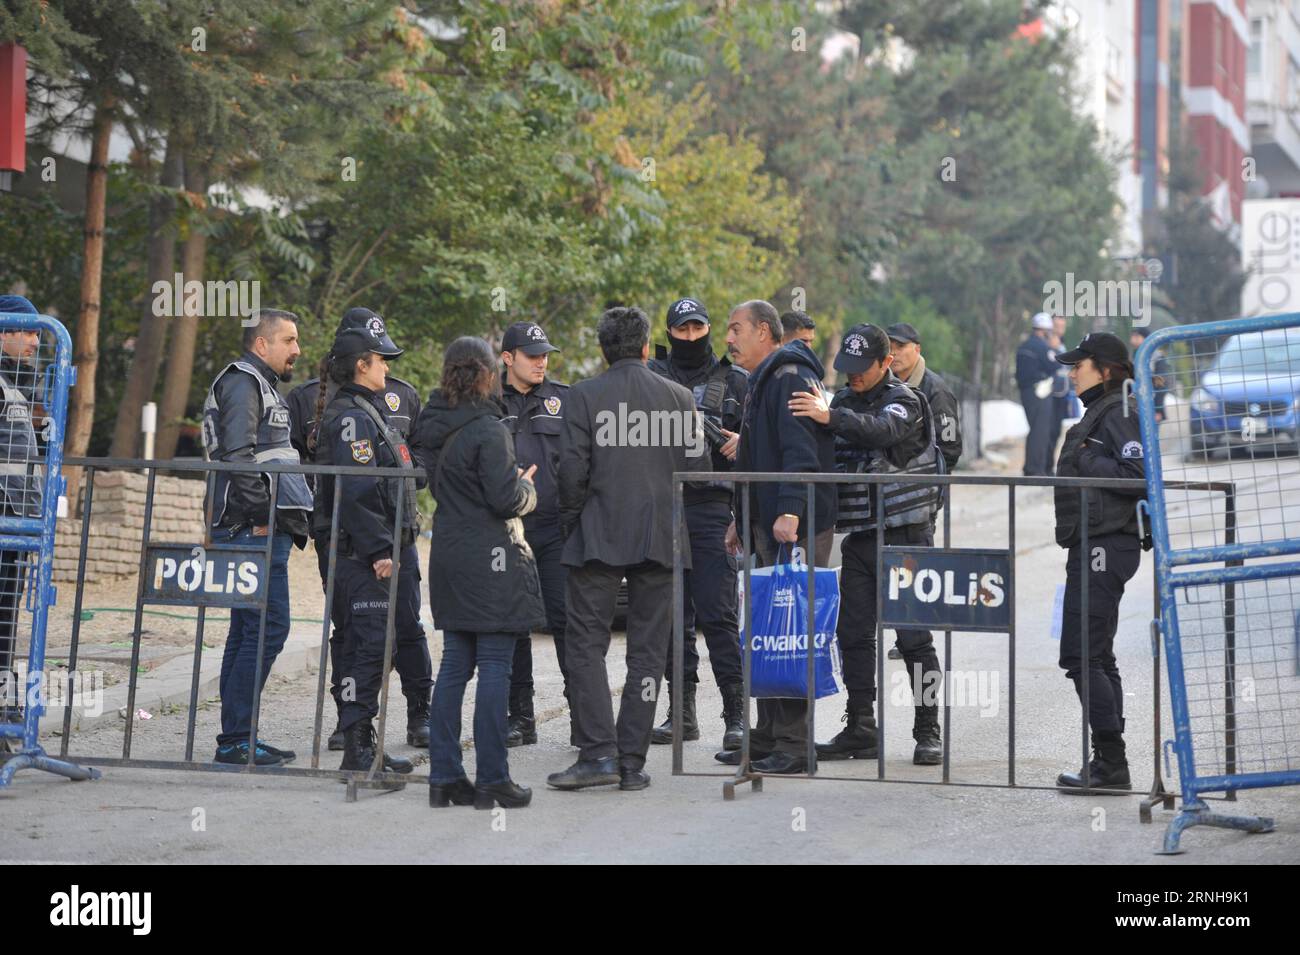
(797, 327)
(20, 486)
(535, 407)
(880, 426)
(1036, 374)
(246, 420)
(400, 407)
(710, 585)
(353, 431)
(1105, 444)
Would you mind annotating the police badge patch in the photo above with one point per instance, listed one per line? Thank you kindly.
(362, 452)
(1132, 450)
(552, 405)
(898, 410)
(393, 401)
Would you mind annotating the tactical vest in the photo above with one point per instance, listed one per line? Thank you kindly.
(273, 445)
(401, 455)
(1109, 512)
(21, 474)
(709, 400)
(904, 504)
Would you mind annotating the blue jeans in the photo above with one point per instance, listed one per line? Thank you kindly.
(239, 662)
(461, 651)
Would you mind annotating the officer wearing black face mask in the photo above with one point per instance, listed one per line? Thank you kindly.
(881, 426)
(1105, 444)
(710, 585)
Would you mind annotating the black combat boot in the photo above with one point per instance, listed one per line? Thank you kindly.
(1108, 768)
(733, 716)
(521, 726)
(359, 744)
(663, 733)
(925, 730)
(417, 722)
(858, 738)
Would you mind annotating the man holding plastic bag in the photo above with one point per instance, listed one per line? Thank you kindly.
(772, 438)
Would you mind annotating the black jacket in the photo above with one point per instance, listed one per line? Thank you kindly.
(248, 498)
(947, 420)
(367, 505)
(1105, 444)
(725, 412)
(616, 489)
(400, 404)
(1034, 362)
(773, 439)
(536, 420)
(482, 575)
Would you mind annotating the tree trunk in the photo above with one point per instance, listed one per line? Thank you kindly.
(85, 345)
(143, 376)
(180, 357)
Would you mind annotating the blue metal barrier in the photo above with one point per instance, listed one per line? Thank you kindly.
(1228, 592)
(32, 537)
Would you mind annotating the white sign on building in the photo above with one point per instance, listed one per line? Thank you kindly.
(1270, 254)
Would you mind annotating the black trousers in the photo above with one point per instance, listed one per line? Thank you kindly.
(1043, 415)
(411, 662)
(592, 591)
(13, 574)
(710, 597)
(364, 599)
(856, 629)
(783, 723)
(547, 544)
(1118, 556)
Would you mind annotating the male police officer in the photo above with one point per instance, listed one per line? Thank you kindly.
(880, 426)
(797, 327)
(909, 366)
(245, 420)
(20, 486)
(710, 584)
(400, 408)
(535, 407)
(1037, 379)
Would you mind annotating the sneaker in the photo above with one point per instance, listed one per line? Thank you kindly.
(236, 754)
(286, 755)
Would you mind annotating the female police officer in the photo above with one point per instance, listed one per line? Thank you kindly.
(1105, 444)
(353, 431)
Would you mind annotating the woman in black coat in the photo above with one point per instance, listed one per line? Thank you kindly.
(483, 586)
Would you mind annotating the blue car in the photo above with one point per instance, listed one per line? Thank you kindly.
(1249, 398)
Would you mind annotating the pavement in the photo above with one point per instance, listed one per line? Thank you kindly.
(843, 815)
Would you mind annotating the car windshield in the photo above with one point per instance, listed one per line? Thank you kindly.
(1261, 354)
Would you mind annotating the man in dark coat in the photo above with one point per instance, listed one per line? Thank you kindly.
(1036, 373)
(772, 438)
(626, 432)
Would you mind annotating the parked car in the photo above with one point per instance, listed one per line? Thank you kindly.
(1249, 398)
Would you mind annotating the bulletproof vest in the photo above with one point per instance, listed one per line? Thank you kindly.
(21, 474)
(400, 454)
(273, 445)
(904, 504)
(1109, 512)
(710, 397)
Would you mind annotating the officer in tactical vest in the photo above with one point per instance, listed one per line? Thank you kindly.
(535, 407)
(1105, 444)
(881, 426)
(400, 407)
(245, 420)
(20, 486)
(353, 431)
(710, 585)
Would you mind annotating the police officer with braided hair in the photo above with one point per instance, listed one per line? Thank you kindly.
(1105, 444)
(710, 585)
(354, 432)
(245, 420)
(881, 426)
(400, 407)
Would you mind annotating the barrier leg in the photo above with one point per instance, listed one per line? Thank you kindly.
(1197, 813)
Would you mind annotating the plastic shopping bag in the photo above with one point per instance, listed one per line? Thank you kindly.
(779, 609)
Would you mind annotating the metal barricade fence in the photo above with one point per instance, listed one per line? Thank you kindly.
(1228, 398)
(163, 567)
(1157, 794)
(35, 374)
